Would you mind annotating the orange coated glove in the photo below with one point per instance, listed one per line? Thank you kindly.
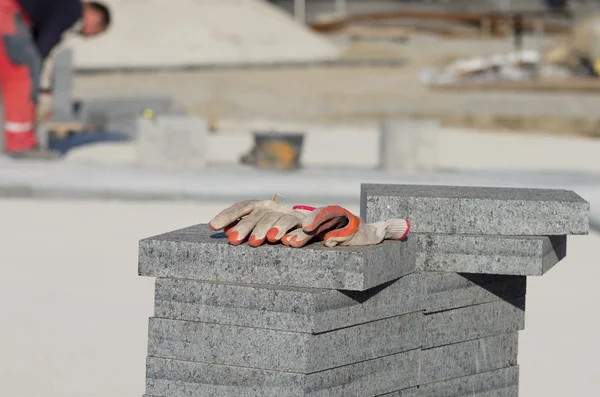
(338, 226)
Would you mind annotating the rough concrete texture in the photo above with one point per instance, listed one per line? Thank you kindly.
(473, 322)
(508, 255)
(105, 113)
(500, 383)
(172, 142)
(478, 210)
(152, 34)
(320, 310)
(370, 378)
(199, 253)
(282, 351)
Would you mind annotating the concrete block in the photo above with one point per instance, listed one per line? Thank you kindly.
(280, 350)
(311, 310)
(473, 322)
(468, 358)
(507, 255)
(199, 253)
(500, 383)
(176, 378)
(172, 142)
(478, 210)
(409, 145)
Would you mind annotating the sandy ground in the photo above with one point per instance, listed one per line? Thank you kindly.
(75, 312)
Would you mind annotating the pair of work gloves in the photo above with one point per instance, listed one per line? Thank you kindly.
(259, 221)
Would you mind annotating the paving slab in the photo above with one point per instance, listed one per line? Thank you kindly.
(199, 253)
(280, 350)
(473, 322)
(312, 310)
(500, 383)
(177, 378)
(508, 255)
(478, 210)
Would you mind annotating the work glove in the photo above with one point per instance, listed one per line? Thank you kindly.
(258, 221)
(338, 226)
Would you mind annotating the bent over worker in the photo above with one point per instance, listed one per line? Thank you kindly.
(29, 30)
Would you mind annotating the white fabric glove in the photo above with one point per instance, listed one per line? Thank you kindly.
(44, 107)
(258, 220)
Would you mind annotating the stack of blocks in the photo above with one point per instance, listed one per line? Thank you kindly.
(436, 315)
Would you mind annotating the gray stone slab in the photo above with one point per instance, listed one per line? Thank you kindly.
(101, 112)
(177, 142)
(176, 378)
(478, 210)
(280, 350)
(468, 358)
(193, 379)
(409, 145)
(473, 322)
(500, 383)
(508, 255)
(63, 86)
(312, 310)
(199, 253)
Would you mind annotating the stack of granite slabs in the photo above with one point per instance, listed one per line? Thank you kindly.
(396, 319)
(477, 232)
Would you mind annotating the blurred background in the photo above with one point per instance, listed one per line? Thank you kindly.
(183, 107)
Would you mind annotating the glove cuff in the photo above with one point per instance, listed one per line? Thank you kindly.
(393, 229)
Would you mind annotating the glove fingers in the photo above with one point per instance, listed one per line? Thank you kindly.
(283, 225)
(324, 215)
(259, 234)
(244, 227)
(233, 213)
(297, 238)
(332, 238)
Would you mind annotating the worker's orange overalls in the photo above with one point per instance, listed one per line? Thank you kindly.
(20, 67)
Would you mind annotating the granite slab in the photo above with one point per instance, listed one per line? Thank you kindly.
(473, 322)
(176, 378)
(507, 255)
(500, 383)
(280, 350)
(199, 253)
(478, 210)
(311, 310)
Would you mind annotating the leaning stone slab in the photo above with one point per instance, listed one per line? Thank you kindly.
(199, 253)
(507, 255)
(477, 210)
(176, 378)
(500, 383)
(279, 350)
(473, 322)
(311, 310)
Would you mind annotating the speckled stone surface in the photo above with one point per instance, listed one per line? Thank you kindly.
(468, 358)
(500, 383)
(473, 322)
(280, 350)
(175, 378)
(477, 210)
(320, 310)
(199, 253)
(191, 379)
(507, 255)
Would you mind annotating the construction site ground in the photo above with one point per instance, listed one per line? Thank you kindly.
(355, 94)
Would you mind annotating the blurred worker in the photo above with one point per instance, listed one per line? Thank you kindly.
(29, 30)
